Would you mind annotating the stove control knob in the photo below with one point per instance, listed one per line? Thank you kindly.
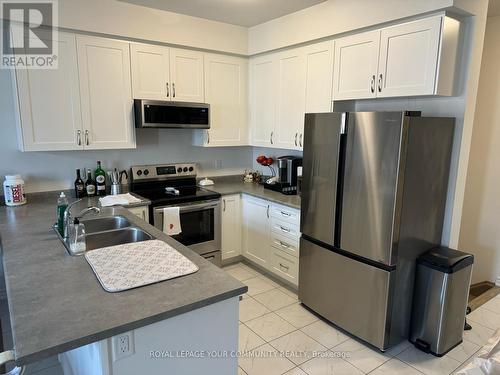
(179, 170)
(185, 169)
(191, 169)
(139, 172)
(146, 172)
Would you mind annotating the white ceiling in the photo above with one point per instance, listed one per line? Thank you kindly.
(494, 8)
(237, 12)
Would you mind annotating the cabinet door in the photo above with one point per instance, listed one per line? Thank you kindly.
(150, 72)
(256, 231)
(291, 98)
(186, 75)
(319, 81)
(226, 92)
(106, 93)
(409, 58)
(49, 102)
(231, 226)
(263, 100)
(319, 77)
(356, 63)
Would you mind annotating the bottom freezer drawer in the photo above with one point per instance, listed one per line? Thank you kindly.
(351, 294)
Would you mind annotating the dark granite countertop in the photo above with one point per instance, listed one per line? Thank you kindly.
(56, 302)
(234, 185)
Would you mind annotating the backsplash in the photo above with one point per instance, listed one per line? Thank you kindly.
(274, 152)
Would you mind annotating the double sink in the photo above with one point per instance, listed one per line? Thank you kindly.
(110, 231)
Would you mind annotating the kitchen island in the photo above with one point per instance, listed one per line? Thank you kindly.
(57, 305)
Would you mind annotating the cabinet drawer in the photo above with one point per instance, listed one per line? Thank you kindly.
(286, 214)
(284, 228)
(285, 266)
(286, 244)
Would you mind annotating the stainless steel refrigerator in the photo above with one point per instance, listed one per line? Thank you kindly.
(373, 199)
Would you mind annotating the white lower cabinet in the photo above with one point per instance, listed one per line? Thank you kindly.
(231, 226)
(271, 237)
(256, 230)
(141, 211)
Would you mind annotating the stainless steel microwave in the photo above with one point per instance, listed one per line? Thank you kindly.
(165, 114)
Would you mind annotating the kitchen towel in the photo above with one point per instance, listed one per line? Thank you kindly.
(133, 265)
(171, 221)
(120, 199)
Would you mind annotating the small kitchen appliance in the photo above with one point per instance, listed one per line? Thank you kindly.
(174, 185)
(287, 175)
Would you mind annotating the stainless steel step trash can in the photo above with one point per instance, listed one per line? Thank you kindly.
(440, 297)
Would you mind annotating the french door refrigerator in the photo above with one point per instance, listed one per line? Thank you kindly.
(373, 199)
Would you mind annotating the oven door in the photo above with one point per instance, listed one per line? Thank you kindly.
(200, 224)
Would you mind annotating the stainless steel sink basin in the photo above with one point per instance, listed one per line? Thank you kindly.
(116, 237)
(105, 223)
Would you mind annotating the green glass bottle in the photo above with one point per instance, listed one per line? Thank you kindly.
(100, 180)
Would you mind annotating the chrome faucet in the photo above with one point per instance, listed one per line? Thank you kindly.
(67, 215)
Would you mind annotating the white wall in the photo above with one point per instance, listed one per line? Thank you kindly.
(45, 171)
(132, 21)
(480, 232)
(334, 17)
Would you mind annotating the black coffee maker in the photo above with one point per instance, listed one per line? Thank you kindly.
(287, 175)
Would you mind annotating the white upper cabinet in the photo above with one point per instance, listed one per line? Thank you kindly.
(49, 103)
(106, 95)
(186, 75)
(263, 90)
(319, 77)
(356, 63)
(163, 73)
(408, 58)
(150, 72)
(291, 98)
(226, 87)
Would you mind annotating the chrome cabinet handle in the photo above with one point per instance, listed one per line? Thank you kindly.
(284, 245)
(300, 140)
(173, 90)
(87, 142)
(143, 215)
(79, 137)
(372, 84)
(168, 91)
(267, 211)
(296, 135)
(208, 136)
(285, 267)
(286, 214)
(224, 205)
(271, 138)
(380, 77)
(287, 230)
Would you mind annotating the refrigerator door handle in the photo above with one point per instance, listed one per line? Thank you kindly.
(343, 124)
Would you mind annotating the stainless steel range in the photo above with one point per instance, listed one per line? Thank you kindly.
(174, 185)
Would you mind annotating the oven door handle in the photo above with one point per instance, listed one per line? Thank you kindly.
(193, 207)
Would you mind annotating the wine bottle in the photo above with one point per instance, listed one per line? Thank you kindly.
(79, 185)
(100, 179)
(90, 184)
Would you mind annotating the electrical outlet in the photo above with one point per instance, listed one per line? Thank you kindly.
(218, 164)
(123, 345)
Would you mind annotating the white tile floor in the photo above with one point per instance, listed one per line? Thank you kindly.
(272, 321)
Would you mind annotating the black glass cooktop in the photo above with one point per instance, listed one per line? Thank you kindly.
(159, 195)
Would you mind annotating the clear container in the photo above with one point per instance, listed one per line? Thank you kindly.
(76, 240)
(13, 189)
